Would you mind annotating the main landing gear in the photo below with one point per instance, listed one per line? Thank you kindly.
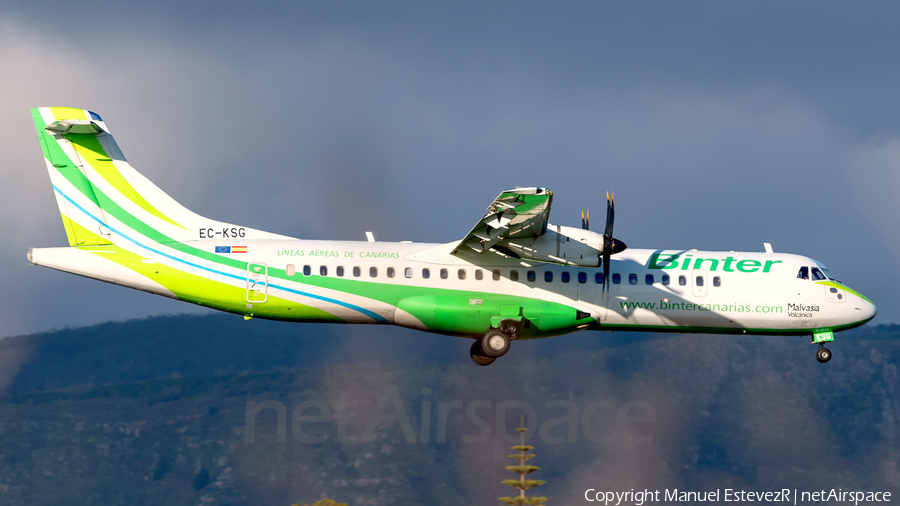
(476, 353)
(493, 345)
(823, 354)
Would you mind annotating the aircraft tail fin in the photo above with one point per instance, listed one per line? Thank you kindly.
(66, 172)
(101, 197)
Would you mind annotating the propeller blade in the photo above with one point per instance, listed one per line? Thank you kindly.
(608, 241)
(610, 214)
(605, 262)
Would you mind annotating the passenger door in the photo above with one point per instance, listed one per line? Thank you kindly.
(592, 292)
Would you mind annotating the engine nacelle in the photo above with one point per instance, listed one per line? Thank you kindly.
(561, 245)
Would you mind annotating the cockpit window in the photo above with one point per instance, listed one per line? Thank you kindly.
(828, 274)
(817, 274)
(804, 273)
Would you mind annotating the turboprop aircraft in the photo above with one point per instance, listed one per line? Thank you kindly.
(514, 276)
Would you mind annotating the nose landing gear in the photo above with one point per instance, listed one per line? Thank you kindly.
(823, 354)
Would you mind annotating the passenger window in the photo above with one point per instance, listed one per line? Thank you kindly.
(817, 274)
(717, 281)
(426, 273)
(407, 272)
(804, 273)
(598, 278)
(479, 275)
(632, 279)
(496, 275)
(290, 270)
(582, 277)
(665, 279)
(682, 280)
(461, 273)
(357, 272)
(323, 271)
(564, 277)
(444, 274)
(340, 270)
(699, 280)
(548, 276)
(513, 275)
(617, 278)
(390, 272)
(373, 272)
(648, 279)
(531, 276)
(307, 270)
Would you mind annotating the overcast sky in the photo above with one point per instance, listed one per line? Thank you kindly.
(719, 125)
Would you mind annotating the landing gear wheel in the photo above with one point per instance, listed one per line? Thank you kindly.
(823, 355)
(477, 357)
(494, 344)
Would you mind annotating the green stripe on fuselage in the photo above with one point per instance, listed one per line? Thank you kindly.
(466, 312)
(211, 293)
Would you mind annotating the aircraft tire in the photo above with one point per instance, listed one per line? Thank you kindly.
(823, 355)
(477, 356)
(494, 344)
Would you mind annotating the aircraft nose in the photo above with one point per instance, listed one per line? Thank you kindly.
(867, 309)
(871, 310)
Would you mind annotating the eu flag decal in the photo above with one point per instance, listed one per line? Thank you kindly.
(223, 249)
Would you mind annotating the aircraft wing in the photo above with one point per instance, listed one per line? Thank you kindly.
(518, 213)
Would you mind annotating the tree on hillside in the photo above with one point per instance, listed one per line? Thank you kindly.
(323, 502)
(522, 484)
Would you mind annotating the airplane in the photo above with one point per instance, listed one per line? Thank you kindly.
(513, 276)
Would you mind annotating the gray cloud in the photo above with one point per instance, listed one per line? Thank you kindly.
(718, 126)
